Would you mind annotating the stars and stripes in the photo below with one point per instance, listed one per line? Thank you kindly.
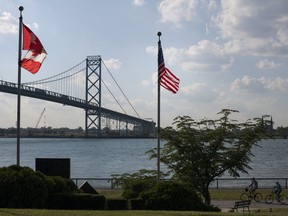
(166, 78)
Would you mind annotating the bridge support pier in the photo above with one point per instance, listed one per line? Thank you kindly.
(93, 95)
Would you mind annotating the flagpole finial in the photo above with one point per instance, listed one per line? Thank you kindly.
(159, 34)
(21, 8)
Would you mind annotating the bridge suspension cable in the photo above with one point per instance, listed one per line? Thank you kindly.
(120, 89)
(114, 97)
(81, 65)
(72, 82)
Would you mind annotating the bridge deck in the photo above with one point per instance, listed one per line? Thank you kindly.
(12, 88)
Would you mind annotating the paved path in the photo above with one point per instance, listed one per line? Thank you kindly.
(226, 205)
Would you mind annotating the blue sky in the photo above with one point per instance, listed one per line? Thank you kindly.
(227, 54)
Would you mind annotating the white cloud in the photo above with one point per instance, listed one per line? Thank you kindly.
(8, 116)
(172, 55)
(138, 2)
(206, 56)
(259, 85)
(35, 25)
(254, 27)
(8, 24)
(145, 83)
(244, 18)
(282, 35)
(212, 4)
(277, 83)
(200, 92)
(113, 63)
(151, 49)
(266, 64)
(176, 11)
(206, 29)
(248, 84)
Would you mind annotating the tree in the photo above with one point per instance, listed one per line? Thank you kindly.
(200, 151)
(282, 132)
(136, 183)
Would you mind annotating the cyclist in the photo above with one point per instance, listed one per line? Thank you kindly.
(252, 187)
(277, 190)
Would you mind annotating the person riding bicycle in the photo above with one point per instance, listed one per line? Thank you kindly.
(277, 189)
(252, 187)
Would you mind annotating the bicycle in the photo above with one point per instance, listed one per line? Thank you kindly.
(248, 196)
(270, 198)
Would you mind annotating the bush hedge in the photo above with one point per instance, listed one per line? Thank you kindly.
(137, 186)
(172, 196)
(117, 204)
(78, 201)
(22, 187)
(136, 204)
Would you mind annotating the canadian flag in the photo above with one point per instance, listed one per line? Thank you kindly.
(36, 54)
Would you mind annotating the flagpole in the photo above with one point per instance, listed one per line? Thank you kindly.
(158, 123)
(19, 85)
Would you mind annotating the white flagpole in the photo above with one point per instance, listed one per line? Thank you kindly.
(158, 120)
(19, 86)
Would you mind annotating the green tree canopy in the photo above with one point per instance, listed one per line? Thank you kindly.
(200, 151)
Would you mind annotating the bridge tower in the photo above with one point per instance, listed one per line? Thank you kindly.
(93, 95)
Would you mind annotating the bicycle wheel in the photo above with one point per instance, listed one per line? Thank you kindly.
(283, 199)
(258, 197)
(244, 196)
(269, 199)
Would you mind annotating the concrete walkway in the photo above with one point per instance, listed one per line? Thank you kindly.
(227, 205)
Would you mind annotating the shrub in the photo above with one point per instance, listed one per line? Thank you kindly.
(22, 187)
(136, 204)
(76, 202)
(137, 186)
(134, 184)
(117, 204)
(62, 185)
(33, 192)
(172, 196)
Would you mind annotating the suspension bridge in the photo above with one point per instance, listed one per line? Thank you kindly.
(81, 87)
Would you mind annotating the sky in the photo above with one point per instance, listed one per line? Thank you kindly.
(229, 54)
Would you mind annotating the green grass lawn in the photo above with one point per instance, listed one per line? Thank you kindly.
(234, 194)
(31, 212)
(216, 194)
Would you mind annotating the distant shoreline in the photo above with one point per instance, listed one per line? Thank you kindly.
(77, 137)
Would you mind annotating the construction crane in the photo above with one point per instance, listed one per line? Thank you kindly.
(40, 117)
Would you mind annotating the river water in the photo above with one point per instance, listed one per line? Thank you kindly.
(100, 158)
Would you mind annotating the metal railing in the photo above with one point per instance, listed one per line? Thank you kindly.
(244, 182)
(219, 183)
(95, 182)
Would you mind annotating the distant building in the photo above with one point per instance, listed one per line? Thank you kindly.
(269, 124)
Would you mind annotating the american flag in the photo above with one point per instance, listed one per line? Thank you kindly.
(166, 78)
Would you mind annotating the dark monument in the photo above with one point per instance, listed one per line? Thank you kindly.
(87, 188)
(54, 166)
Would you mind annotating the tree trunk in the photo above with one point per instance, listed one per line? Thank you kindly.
(207, 196)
